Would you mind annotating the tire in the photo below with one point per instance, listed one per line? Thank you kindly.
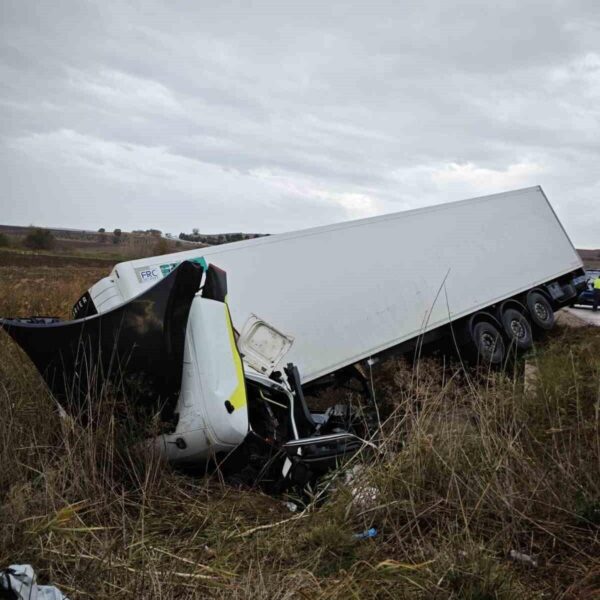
(517, 328)
(488, 343)
(542, 315)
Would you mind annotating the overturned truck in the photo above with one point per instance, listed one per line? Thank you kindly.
(228, 341)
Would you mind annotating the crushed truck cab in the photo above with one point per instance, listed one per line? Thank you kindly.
(174, 349)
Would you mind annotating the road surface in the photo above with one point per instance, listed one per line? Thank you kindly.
(583, 313)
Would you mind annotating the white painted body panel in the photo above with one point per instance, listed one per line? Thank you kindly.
(347, 291)
(209, 378)
(262, 345)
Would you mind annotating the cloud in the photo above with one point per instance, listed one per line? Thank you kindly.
(122, 91)
(271, 116)
(109, 160)
(477, 178)
(152, 170)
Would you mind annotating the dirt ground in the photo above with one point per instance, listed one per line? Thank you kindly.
(583, 314)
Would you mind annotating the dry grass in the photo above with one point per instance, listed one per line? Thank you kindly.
(32, 284)
(471, 468)
(94, 246)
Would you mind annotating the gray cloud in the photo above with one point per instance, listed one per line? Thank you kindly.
(272, 116)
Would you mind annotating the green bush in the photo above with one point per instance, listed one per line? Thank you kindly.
(4, 241)
(39, 239)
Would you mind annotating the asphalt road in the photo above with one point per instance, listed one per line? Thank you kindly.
(586, 314)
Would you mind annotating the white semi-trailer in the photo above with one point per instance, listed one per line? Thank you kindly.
(347, 291)
(486, 272)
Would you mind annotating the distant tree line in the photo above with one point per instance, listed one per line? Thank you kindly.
(39, 239)
(218, 238)
(116, 237)
(36, 238)
(155, 232)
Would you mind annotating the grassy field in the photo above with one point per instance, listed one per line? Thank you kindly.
(92, 245)
(473, 468)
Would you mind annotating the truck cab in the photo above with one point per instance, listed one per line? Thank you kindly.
(174, 349)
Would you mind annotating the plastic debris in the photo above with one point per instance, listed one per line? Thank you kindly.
(363, 496)
(365, 535)
(291, 506)
(18, 582)
(523, 558)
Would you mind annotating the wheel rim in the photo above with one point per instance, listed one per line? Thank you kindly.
(541, 311)
(518, 329)
(488, 343)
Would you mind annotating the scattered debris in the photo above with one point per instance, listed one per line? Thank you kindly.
(365, 535)
(291, 506)
(363, 496)
(19, 583)
(523, 558)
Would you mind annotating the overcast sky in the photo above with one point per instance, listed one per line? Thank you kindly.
(273, 116)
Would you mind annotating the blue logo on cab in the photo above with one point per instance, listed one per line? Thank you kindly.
(148, 274)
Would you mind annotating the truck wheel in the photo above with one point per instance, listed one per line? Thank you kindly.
(540, 310)
(488, 342)
(517, 328)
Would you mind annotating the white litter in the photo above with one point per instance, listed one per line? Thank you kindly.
(523, 558)
(20, 580)
(363, 496)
